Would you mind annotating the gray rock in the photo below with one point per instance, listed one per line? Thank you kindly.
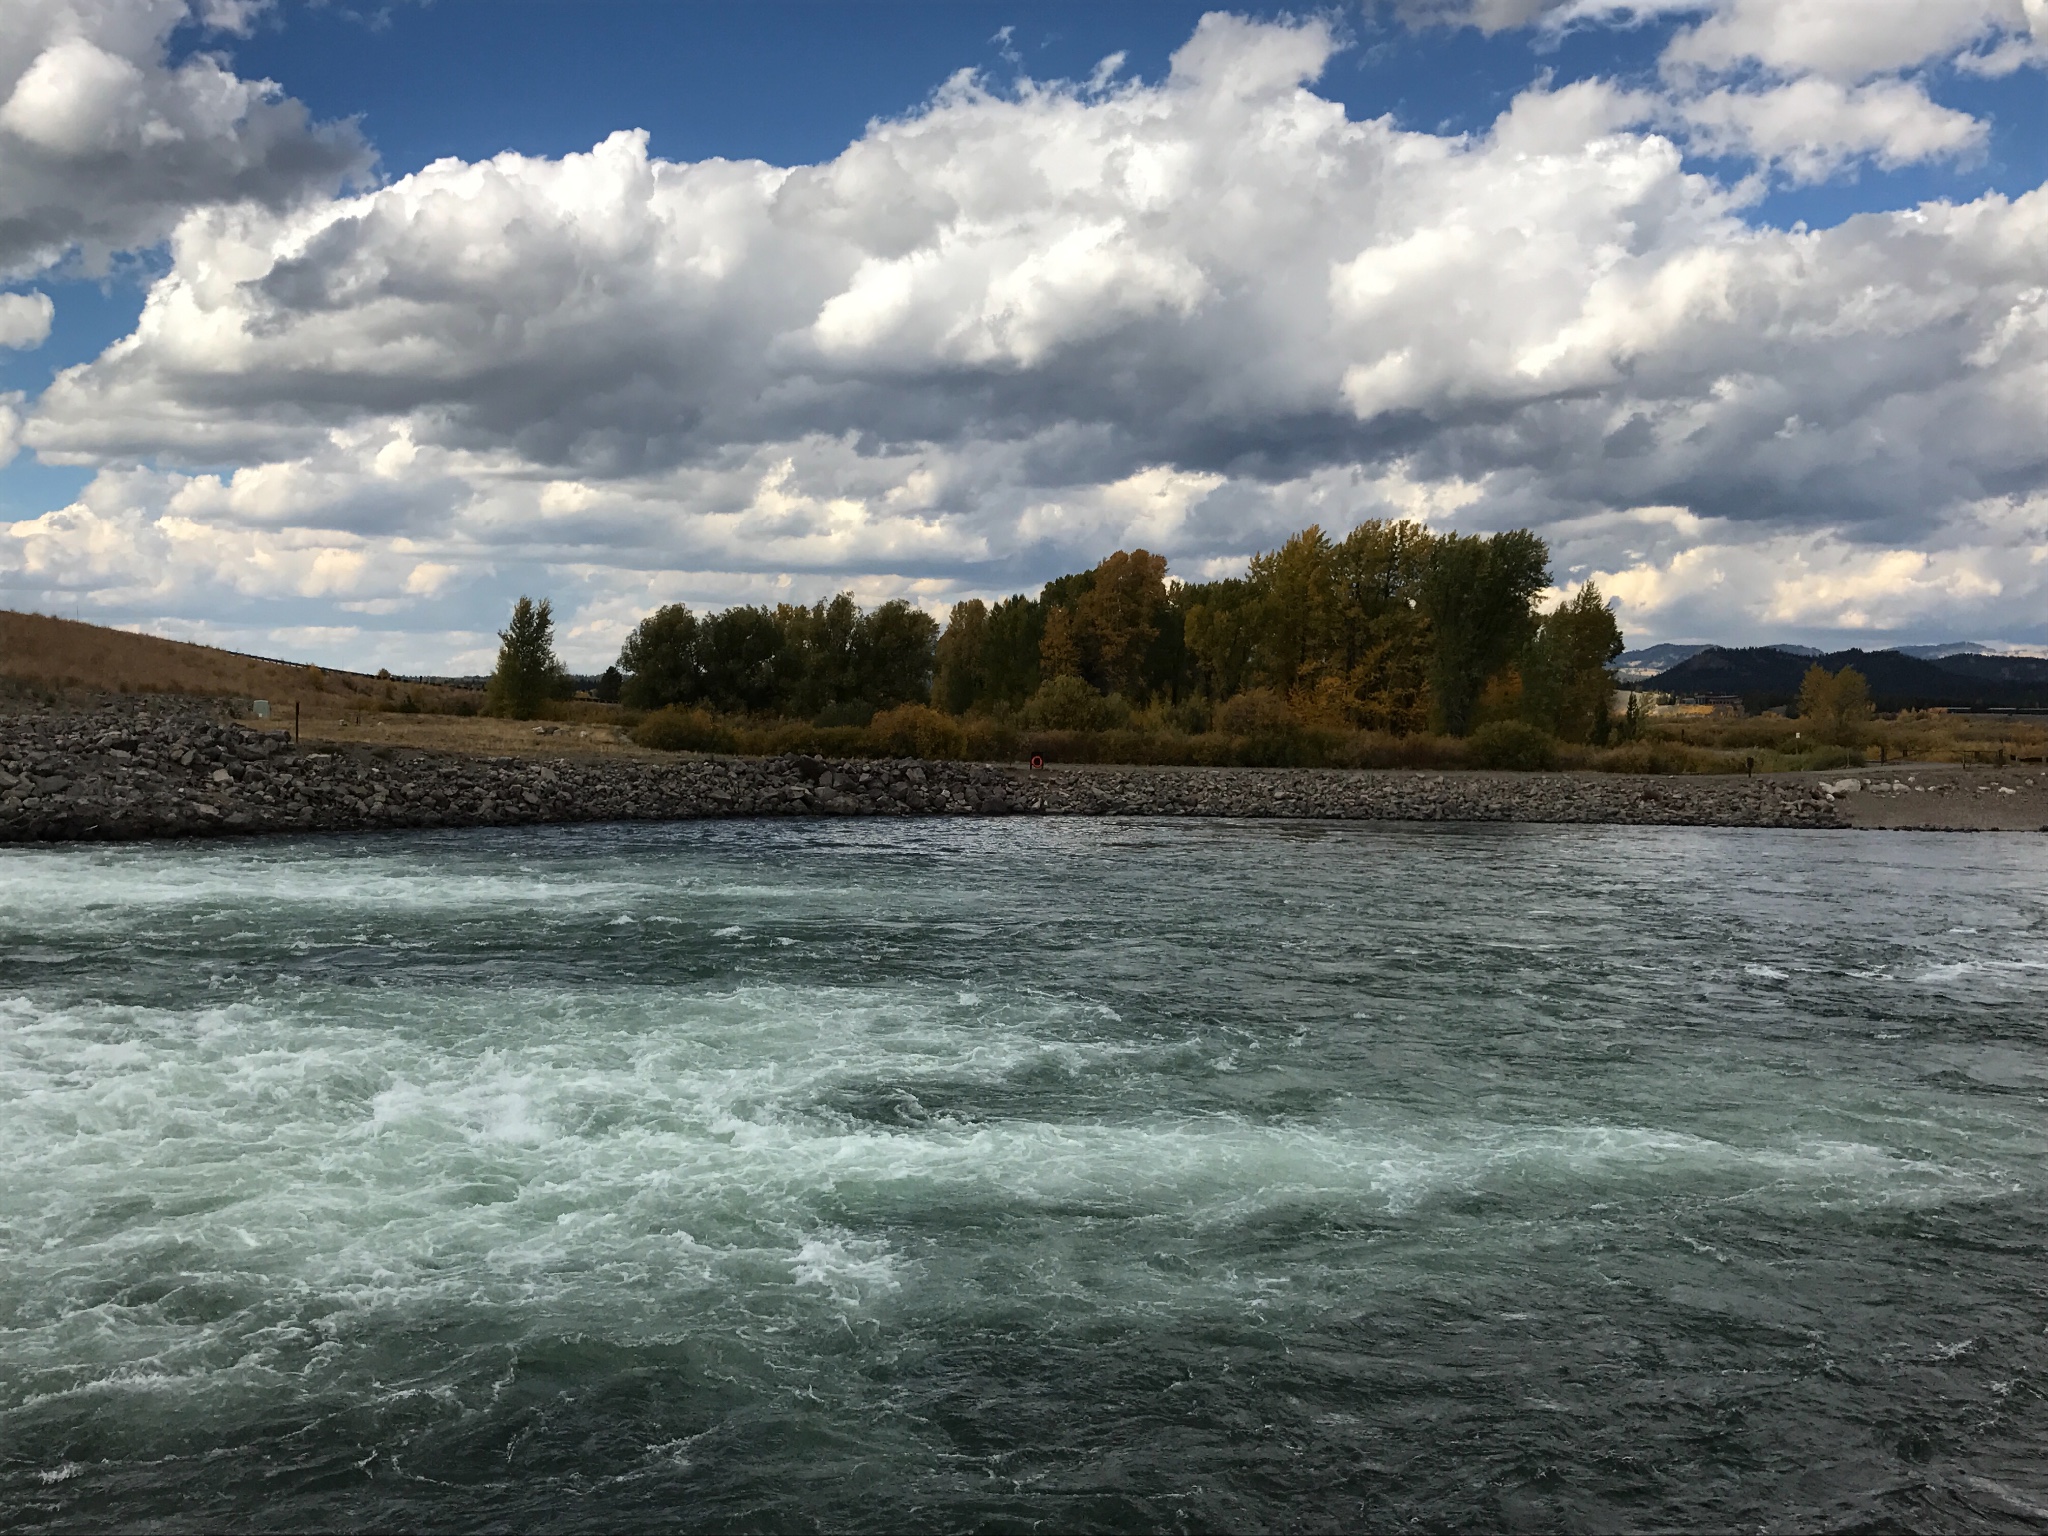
(265, 784)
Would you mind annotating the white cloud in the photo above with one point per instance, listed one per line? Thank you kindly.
(25, 320)
(1807, 87)
(1007, 333)
(1849, 40)
(105, 144)
(10, 426)
(1986, 574)
(1813, 127)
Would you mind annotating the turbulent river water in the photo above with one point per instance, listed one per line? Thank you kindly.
(1005, 1175)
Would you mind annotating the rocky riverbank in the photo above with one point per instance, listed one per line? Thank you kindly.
(138, 768)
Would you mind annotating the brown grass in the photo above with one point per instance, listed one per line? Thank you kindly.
(40, 651)
(1921, 736)
(481, 735)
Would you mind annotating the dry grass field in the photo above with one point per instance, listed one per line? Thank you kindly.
(64, 653)
(588, 732)
(38, 652)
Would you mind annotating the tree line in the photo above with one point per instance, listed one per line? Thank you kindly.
(830, 661)
(1391, 628)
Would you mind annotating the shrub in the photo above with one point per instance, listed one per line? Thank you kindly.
(1164, 717)
(683, 730)
(845, 712)
(1257, 712)
(1381, 749)
(1661, 757)
(1512, 744)
(1834, 757)
(916, 730)
(1069, 704)
(989, 741)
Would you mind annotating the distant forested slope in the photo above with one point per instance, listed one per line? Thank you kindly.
(1765, 677)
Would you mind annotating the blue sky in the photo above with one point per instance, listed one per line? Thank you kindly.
(234, 491)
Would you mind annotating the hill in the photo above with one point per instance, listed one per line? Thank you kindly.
(1634, 666)
(39, 651)
(1765, 677)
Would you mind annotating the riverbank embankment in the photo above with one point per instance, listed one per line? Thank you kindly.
(135, 768)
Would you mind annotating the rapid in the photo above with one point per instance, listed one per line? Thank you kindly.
(963, 1174)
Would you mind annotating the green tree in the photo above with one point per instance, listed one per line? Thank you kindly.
(659, 660)
(1295, 613)
(1059, 647)
(1116, 621)
(893, 654)
(1221, 633)
(959, 676)
(1838, 703)
(1566, 687)
(1382, 634)
(1009, 656)
(1068, 703)
(817, 665)
(738, 652)
(528, 672)
(1635, 722)
(1478, 596)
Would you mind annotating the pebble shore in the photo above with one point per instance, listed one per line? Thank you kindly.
(137, 769)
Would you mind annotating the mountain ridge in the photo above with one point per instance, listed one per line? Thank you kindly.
(1767, 676)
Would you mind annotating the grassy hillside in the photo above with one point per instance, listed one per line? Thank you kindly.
(43, 652)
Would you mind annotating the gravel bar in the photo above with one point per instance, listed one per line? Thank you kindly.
(148, 768)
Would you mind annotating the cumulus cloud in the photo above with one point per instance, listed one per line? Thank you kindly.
(1845, 42)
(1681, 575)
(1813, 127)
(25, 320)
(1848, 43)
(1806, 88)
(10, 427)
(1016, 329)
(105, 142)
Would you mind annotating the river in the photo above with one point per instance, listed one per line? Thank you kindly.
(864, 1175)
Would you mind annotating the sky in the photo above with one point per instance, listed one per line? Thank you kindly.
(328, 328)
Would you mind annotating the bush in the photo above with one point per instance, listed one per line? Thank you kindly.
(1833, 757)
(846, 712)
(1258, 712)
(1381, 749)
(990, 741)
(916, 730)
(1163, 717)
(683, 730)
(1660, 757)
(1069, 704)
(1512, 744)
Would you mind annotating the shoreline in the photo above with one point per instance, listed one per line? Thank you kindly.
(134, 769)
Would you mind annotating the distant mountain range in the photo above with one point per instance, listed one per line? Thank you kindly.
(1962, 674)
(1641, 665)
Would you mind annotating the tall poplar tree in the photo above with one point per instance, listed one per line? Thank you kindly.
(528, 673)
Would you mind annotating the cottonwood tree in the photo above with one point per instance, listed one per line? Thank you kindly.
(1836, 702)
(1479, 597)
(529, 673)
(791, 659)
(1566, 687)
(659, 659)
(960, 674)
